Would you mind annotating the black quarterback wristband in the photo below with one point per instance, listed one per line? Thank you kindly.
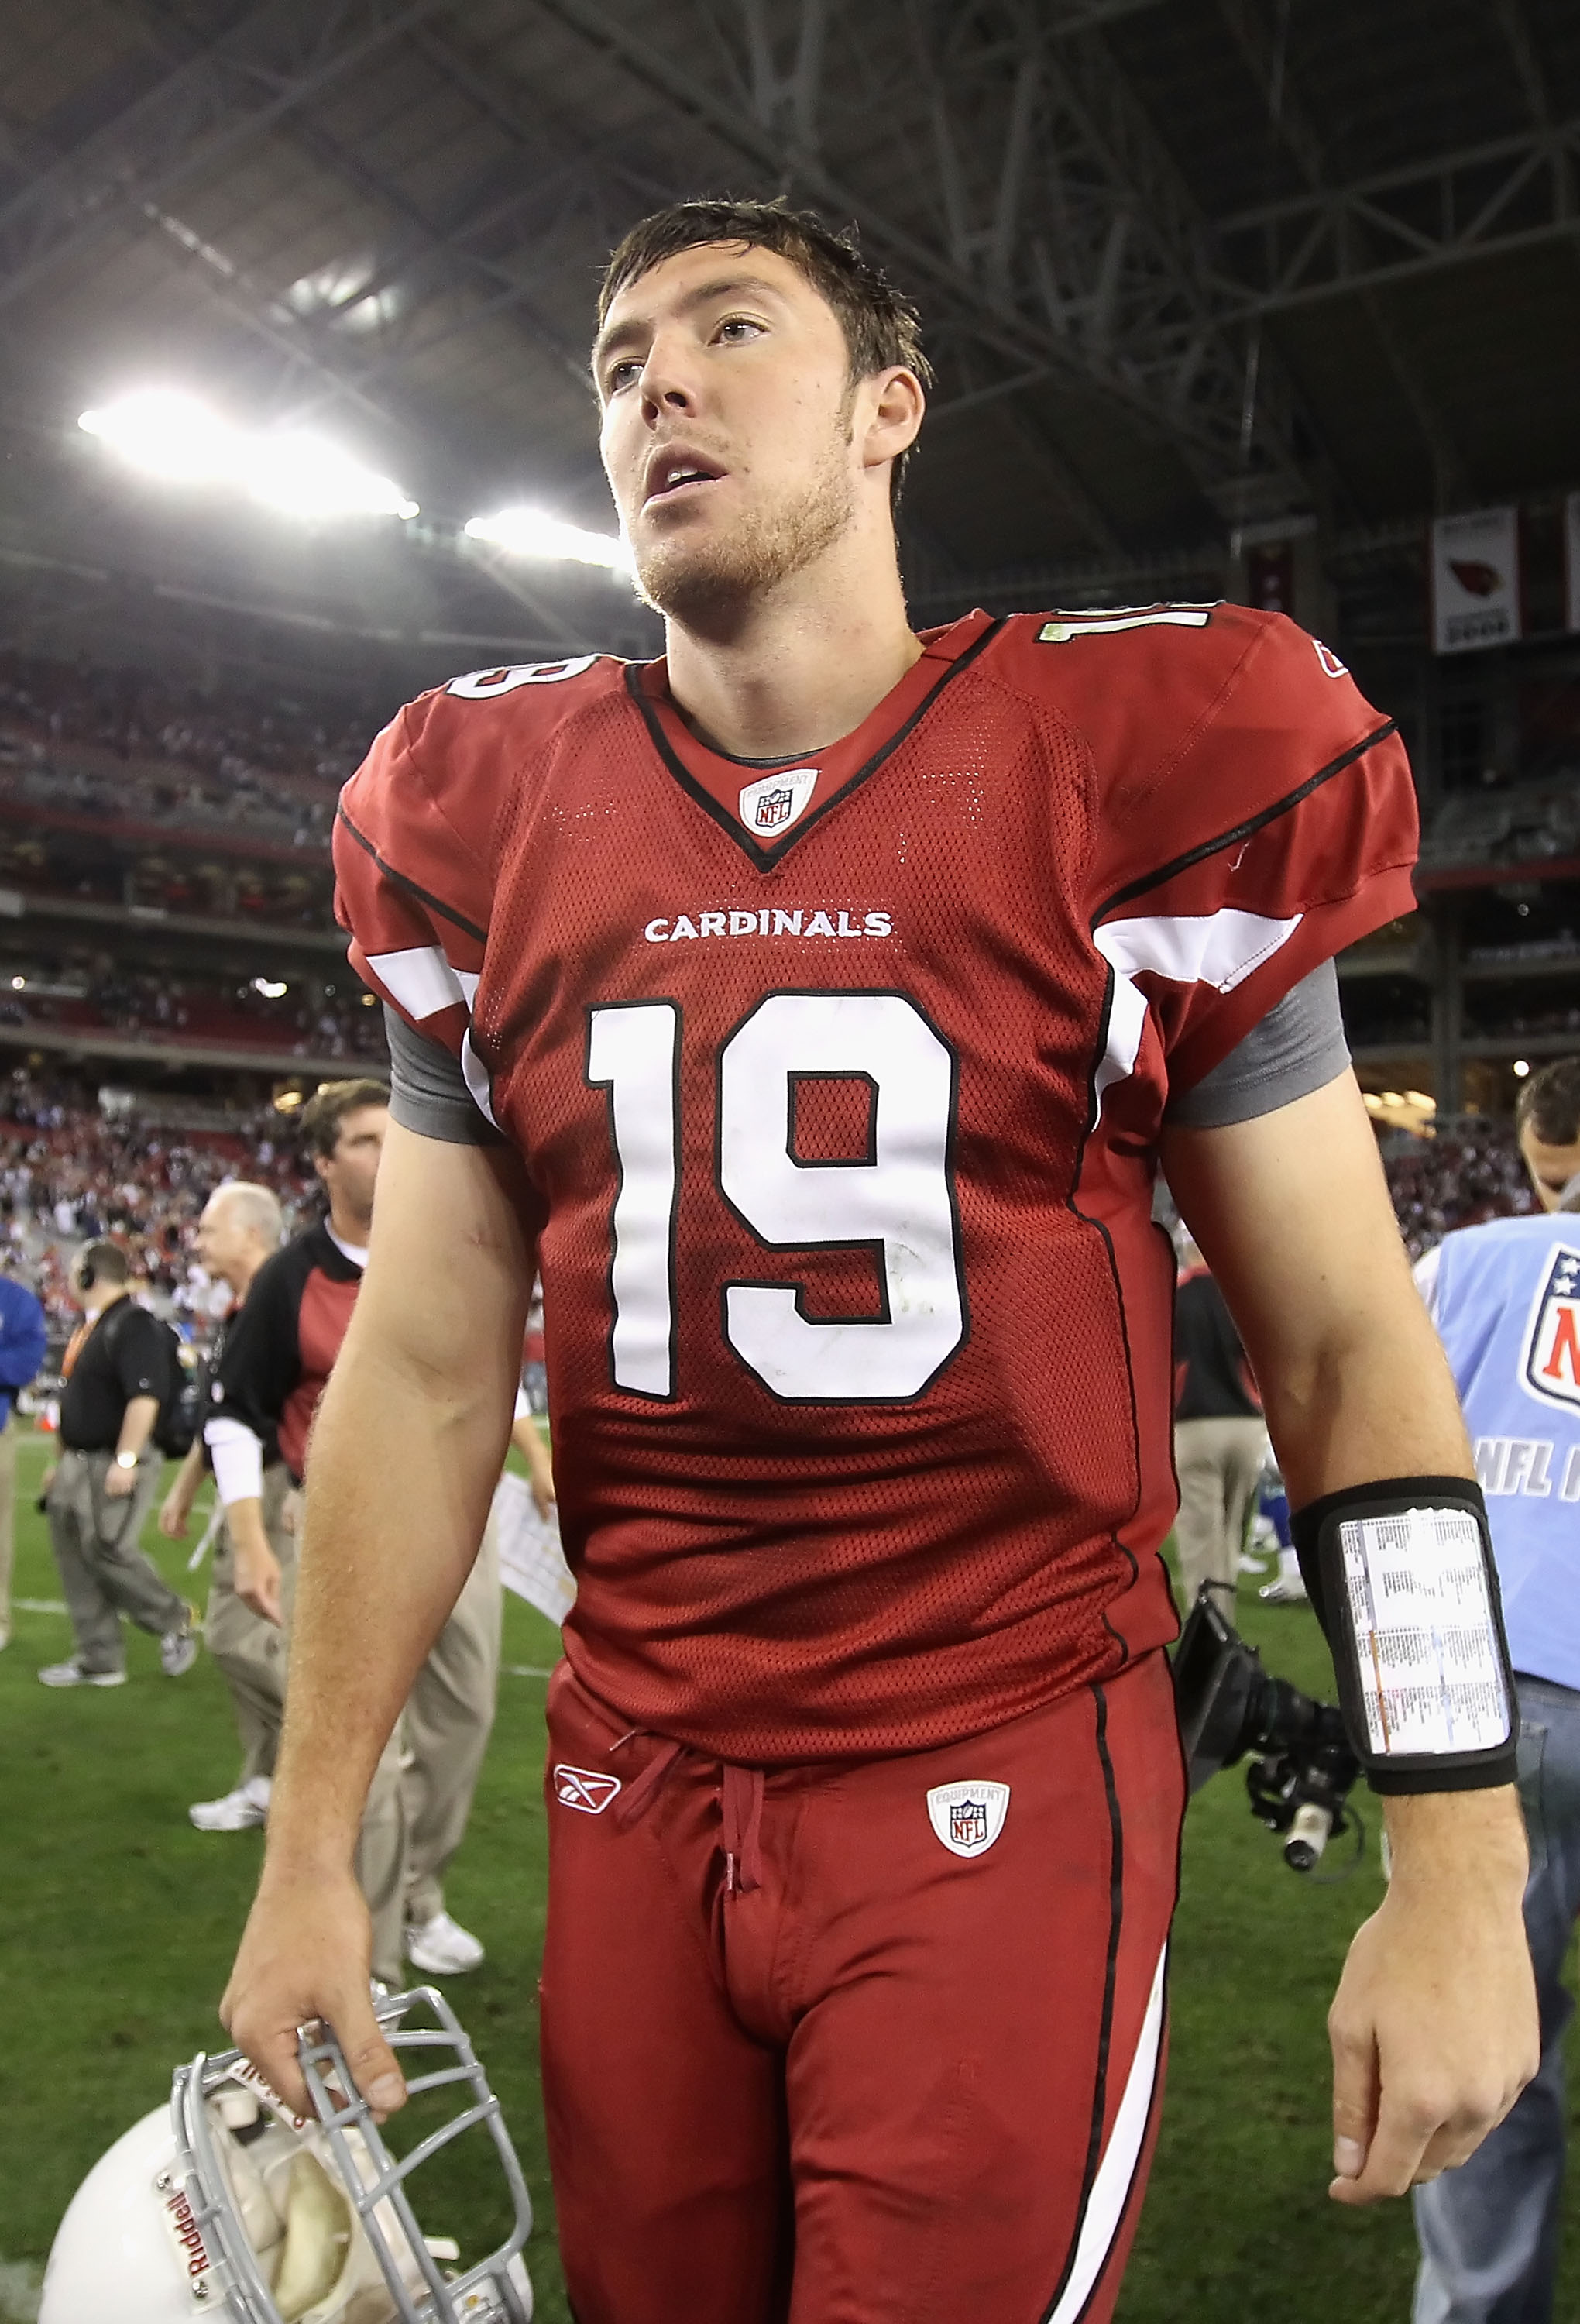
(1401, 1575)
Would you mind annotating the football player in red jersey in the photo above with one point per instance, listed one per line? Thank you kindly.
(814, 1006)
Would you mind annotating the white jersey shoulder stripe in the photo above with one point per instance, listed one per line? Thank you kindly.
(1221, 948)
(421, 980)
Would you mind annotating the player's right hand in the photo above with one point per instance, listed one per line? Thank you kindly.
(172, 1517)
(255, 1579)
(304, 1957)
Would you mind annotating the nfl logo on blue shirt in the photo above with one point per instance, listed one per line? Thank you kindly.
(1552, 1344)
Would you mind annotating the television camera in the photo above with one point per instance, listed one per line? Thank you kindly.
(1301, 1779)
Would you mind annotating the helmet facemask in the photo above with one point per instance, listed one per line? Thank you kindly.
(289, 2219)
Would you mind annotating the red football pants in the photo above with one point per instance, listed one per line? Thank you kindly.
(818, 2047)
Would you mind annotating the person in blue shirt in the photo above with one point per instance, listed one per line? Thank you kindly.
(22, 1357)
(1505, 1298)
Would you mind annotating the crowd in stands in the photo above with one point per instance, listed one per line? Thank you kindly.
(1456, 1179)
(135, 716)
(68, 1173)
(303, 1019)
(139, 743)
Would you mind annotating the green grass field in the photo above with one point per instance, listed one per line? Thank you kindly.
(117, 1924)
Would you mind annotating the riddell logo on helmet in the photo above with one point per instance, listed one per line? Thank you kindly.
(187, 2235)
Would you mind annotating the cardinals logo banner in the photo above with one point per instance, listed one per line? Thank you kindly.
(1475, 580)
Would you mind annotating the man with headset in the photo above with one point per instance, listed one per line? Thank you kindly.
(117, 1374)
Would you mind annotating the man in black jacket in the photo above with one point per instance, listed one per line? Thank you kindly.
(117, 1374)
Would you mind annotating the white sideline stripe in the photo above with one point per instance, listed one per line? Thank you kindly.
(1221, 948)
(1110, 2190)
(421, 979)
(39, 1605)
(511, 1670)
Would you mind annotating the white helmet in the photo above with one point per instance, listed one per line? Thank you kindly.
(226, 2205)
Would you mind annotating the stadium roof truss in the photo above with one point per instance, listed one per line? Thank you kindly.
(1187, 266)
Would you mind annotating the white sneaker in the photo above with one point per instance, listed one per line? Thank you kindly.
(441, 1947)
(73, 1675)
(1284, 1594)
(241, 1810)
(178, 1649)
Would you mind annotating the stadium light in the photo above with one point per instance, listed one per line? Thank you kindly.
(271, 988)
(178, 438)
(1521, 1067)
(527, 532)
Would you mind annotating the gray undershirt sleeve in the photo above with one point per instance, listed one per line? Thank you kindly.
(428, 1092)
(1297, 1047)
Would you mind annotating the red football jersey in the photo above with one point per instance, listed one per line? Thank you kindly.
(839, 1087)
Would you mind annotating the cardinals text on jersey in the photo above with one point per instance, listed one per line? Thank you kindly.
(858, 1329)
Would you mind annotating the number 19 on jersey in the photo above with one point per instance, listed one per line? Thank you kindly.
(899, 1201)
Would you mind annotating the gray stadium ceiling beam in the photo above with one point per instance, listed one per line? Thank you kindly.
(256, 73)
(1265, 52)
(1016, 328)
(247, 303)
(1515, 27)
(1151, 292)
(1511, 193)
(383, 189)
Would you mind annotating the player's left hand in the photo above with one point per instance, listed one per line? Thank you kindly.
(119, 1482)
(1434, 2026)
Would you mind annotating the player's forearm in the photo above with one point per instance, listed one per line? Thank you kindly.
(1434, 1836)
(399, 1485)
(1369, 1397)
(1292, 1213)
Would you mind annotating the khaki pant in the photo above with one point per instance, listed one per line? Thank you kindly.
(1218, 1462)
(7, 1523)
(420, 1796)
(103, 1570)
(248, 1650)
(447, 1722)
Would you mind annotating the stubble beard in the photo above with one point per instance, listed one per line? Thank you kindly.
(706, 583)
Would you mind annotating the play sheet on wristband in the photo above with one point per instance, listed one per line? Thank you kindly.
(1427, 1658)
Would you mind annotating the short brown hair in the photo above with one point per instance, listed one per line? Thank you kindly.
(325, 1111)
(881, 325)
(1548, 1103)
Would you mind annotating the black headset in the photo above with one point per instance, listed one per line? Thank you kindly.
(84, 1273)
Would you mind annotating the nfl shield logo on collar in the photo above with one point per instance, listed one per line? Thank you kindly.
(772, 804)
(1551, 1360)
(968, 1817)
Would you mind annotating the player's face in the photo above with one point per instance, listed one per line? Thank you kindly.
(1551, 1168)
(351, 1171)
(727, 437)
